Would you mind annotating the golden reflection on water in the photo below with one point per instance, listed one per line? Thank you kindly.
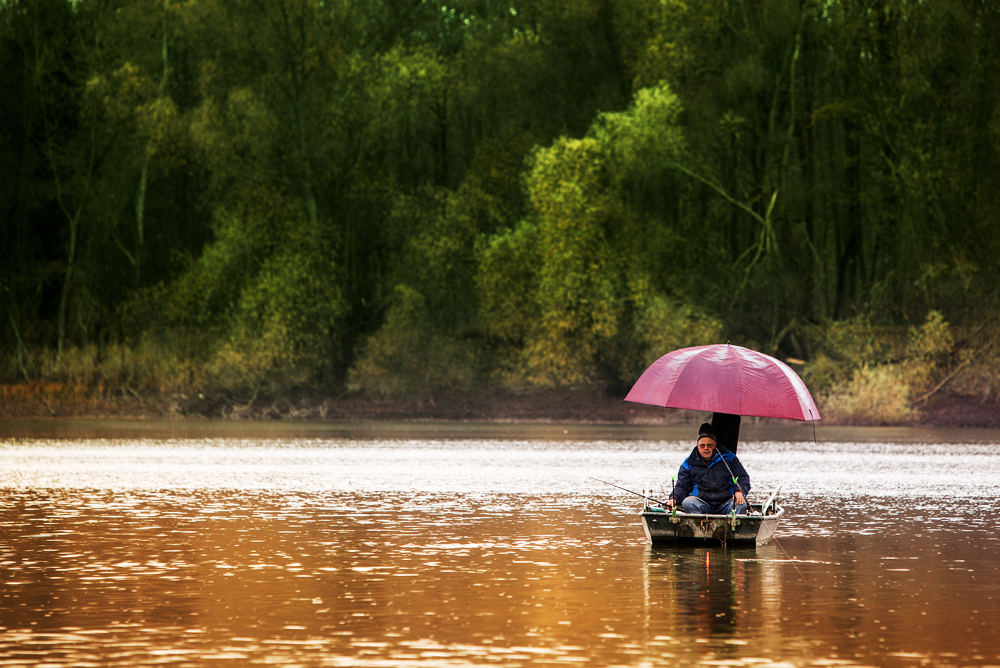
(131, 574)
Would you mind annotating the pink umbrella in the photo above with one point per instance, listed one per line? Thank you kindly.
(724, 378)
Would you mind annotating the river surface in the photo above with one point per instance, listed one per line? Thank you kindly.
(427, 547)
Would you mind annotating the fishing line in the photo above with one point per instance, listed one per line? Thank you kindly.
(628, 490)
(736, 483)
(789, 557)
(816, 443)
(775, 538)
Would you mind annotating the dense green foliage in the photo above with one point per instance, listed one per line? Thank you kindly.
(424, 196)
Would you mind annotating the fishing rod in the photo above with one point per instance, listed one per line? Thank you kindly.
(736, 483)
(649, 498)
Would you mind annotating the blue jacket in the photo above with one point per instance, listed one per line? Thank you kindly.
(710, 482)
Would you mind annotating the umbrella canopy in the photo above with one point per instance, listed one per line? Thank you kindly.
(725, 379)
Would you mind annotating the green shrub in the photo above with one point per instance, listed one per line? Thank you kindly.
(665, 324)
(880, 391)
(409, 356)
(285, 325)
(873, 395)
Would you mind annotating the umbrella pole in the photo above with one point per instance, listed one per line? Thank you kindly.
(727, 430)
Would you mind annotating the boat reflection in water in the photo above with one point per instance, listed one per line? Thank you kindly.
(702, 592)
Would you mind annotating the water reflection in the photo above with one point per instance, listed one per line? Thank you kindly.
(702, 592)
(351, 554)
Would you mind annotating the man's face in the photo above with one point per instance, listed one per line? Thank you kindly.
(706, 447)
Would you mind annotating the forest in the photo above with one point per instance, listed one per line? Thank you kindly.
(429, 198)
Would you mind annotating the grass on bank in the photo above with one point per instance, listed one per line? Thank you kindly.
(860, 373)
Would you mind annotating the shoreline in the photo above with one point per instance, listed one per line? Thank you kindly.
(14, 431)
(565, 406)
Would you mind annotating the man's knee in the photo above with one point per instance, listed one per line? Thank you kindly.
(694, 505)
(731, 506)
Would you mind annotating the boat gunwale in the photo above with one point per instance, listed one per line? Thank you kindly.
(682, 515)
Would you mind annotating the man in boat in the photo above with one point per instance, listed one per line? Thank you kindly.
(705, 482)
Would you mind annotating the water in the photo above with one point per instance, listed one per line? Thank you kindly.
(433, 551)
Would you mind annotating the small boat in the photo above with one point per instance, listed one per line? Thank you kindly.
(674, 528)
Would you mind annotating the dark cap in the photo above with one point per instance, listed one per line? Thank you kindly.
(706, 430)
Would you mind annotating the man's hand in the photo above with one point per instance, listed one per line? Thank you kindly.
(740, 499)
(671, 503)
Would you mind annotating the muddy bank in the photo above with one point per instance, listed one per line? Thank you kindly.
(586, 405)
(580, 405)
(961, 411)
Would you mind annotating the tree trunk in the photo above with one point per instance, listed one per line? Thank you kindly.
(74, 225)
(84, 172)
(21, 350)
(140, 197)
(307, 177)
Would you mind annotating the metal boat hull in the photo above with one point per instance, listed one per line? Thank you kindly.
(666, 529)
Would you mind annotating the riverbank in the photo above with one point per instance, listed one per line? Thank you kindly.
(586, 405)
